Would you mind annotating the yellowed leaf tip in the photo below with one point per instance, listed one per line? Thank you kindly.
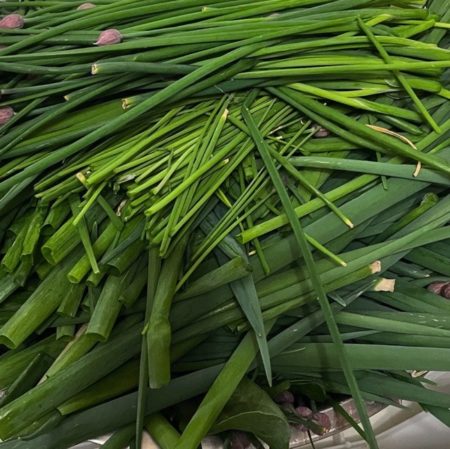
(120, 207)
(385, 285)
(349, 223)
(80, 176)
(392, 133)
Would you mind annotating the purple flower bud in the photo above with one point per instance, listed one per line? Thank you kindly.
(109, 37)
(436, 287)
(321, 132)
(323, 420)
(86, 5)
(445, 292)
(239, 440)
(285, 397)
(12, 21)
(304, 412)
(6, 114)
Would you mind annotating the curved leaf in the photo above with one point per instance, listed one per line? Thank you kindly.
(251, 409)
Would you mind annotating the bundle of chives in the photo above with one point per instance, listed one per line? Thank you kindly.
(174, 175)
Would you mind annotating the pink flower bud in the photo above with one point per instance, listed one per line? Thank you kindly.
(304, 412)
(285, 397)
(445, 292)
(109, 37)
(323, 420)
(297, 428)
(12, 21)
(436, 287)
(86, 5)
(6, 114)
(321, 132)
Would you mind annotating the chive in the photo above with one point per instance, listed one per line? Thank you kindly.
(63, 241)
(303, 102)
(316, 355)
(153, 270)
(82, 267)
(379, 168)
(430, 259)
(28, 378)
(203, 150)
(304, 249)
(14, 363)
(158, 327)
(15, 137)
(141, 67)
(401, 79)
(71, 301)
(107, 309)
(114, 414)
(86, 242)
(145, 106)
(230, 271)
(13, 255)
(24, 410)
(136, 279)
(38, 307)
(358, 104)
(160, 429)
(286, 164)
(8, 286)
(64, 332)
(120, 381)
(122, 261)
(88, 204)
(76, 348)
(386, 324)
(245, 292)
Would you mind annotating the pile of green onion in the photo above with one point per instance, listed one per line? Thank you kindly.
(219, 216)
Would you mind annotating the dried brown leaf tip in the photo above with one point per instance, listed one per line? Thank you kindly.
(321, 132)
(6, 115)
(85, 6)
(12, 21)
(109, 37)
